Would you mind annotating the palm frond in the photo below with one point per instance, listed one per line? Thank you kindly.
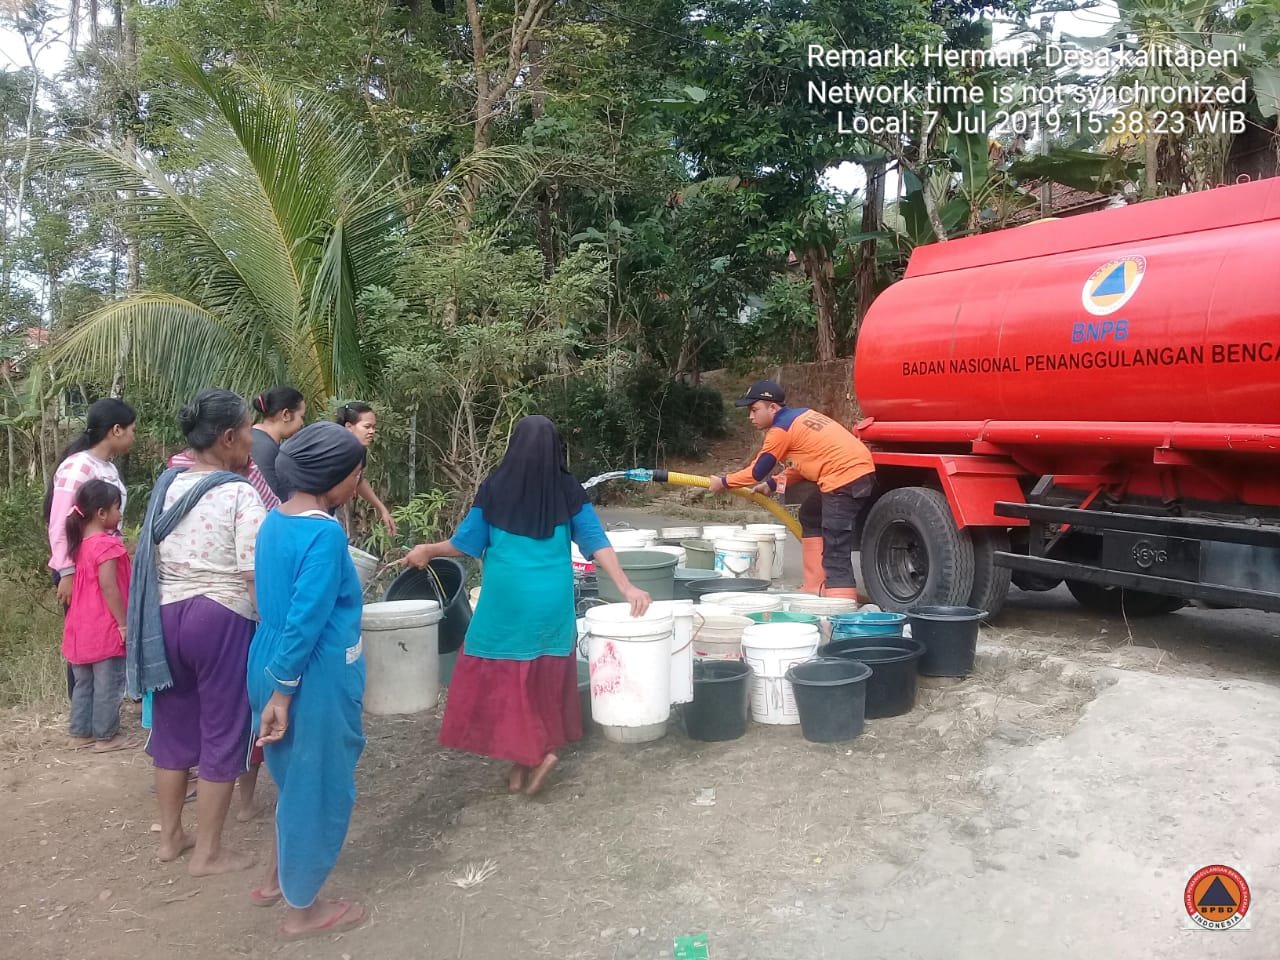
(174, 345)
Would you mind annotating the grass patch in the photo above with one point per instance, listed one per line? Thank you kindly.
(32, 673)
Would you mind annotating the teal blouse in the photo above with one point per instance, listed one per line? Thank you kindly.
(526, 607)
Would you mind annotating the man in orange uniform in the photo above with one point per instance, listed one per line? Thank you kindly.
(822, 451)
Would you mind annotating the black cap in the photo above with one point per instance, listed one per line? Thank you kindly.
(762, 390)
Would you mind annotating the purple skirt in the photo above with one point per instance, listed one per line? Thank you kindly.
(203, 719)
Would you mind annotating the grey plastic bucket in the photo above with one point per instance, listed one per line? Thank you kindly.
(650, 570)
(699, 554)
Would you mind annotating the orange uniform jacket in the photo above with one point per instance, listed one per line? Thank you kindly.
(819, 450)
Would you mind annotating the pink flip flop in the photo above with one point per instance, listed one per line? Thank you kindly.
(258, 899)
(340, 922)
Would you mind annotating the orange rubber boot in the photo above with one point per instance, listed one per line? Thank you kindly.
(814, 577)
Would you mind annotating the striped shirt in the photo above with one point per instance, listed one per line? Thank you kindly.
(253, 475)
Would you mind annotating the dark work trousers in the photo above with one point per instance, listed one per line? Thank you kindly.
(71, 674)
(834, 516)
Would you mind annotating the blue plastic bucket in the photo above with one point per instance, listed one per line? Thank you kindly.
(875, 624)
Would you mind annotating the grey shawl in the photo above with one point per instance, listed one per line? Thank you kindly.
(146, 667)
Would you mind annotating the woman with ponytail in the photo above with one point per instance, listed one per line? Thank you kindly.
(282, 410)
(108, 433)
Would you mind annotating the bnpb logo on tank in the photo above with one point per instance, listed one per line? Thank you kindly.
(1112, 285)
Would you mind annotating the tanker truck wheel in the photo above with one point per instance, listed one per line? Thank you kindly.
(1116, 601)
(913, 554)
(990, 582)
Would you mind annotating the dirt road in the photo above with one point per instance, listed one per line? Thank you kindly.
(1053, 805)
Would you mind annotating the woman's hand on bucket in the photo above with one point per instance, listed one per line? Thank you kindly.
(420, 556)
(638, 599)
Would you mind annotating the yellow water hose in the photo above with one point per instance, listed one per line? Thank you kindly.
(693, 480)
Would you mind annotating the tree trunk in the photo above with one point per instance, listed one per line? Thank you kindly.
(872, 213)
(821, 273)
(413, 452)
(1151, 145)
(133, 256)
(491, 91)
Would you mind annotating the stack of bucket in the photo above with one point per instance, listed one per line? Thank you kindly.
(770, 649)
(639, 667)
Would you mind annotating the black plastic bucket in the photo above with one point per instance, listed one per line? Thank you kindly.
(950, 638)
(698, 589)
(721, 700)
(415, 584)
(847, 647)
(891, 691)
(831, 698)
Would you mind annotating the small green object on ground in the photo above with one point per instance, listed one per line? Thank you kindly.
(691, 948)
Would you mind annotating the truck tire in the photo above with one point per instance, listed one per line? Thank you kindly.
(1116, 601)
(990, 582)
(913, 554)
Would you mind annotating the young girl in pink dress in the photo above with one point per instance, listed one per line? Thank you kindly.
(93, 639)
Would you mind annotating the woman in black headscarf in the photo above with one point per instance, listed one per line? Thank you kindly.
(306, 675)
(514, 694)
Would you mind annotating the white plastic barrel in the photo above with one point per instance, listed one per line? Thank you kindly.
(717, 634)
(630, 663)
(780, 534)
(681, 647)
(736, 558)
(770, 648)
(401, 655)
(366, 565)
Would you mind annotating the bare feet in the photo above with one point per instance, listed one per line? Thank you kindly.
(538, 778)
(248, 812)
(517, 778)
(79, 743)
(225, 861)
(171, 848)
(323, 918)
(118, 742)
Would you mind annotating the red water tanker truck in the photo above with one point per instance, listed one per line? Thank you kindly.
(1093, 400)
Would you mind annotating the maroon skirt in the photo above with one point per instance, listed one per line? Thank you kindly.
(517, 710)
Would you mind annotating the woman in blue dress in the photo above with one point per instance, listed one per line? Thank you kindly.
(514, 694)
(306, 675)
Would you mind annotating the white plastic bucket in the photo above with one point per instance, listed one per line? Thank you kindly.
(401, 655)
(630, 664)
(631, 539)
(821, 607)
(681, 647)
(677, 552)
(717, 635)
(744, 603)
(674, 535)
(780, 533)
(764, 540)
(366, 565)
(735, 558)
(770, 648)
(720, 531)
